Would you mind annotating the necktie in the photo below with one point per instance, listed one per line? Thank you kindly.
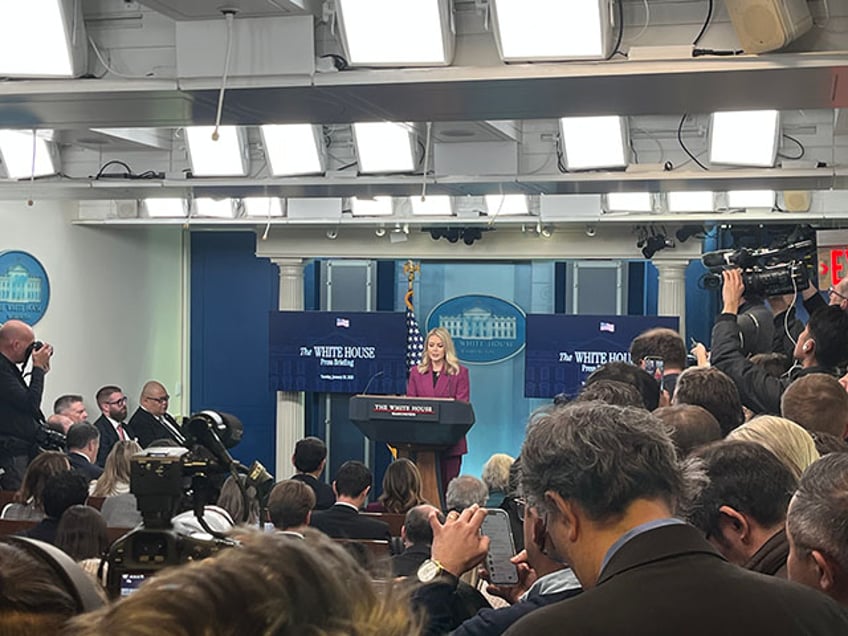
(122, 435)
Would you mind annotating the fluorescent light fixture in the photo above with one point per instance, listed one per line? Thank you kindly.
(378, 206)
(745, 138)
(629, 202)
(17, 148)
(383, 147)
(293, 149)
(397, 32)
(594, 142)
(214, 208)
(534, 30)
(42, 38)
(263, 206)
(168, 208)
(750, 199)
(506, 204)
(226, 157)
(696, 201)
(433, 205)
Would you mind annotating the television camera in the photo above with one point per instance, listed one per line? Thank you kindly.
(167, 480)
(765, 271)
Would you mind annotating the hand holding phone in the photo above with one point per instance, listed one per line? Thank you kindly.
(496, 526)
(655, 365)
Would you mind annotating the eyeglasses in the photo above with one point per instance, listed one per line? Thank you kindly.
(832, 291)
(161, 400)
(119, 402)
(520, 507)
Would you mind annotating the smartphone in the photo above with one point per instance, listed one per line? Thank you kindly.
(656, 367)
(496, 526)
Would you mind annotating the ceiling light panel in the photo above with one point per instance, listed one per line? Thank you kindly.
(383, 147)
(397, 32)
(534, 30)
(26, 154)
(696, 201)
(629, 202)
(745, 138)
(590, 143)
(750, 199)
(166, 208)
(506, 205)
(226, 157)
(263, 207)
(434, 205)
(378, 206)
(42, 38)
(293, 149)
(214, 208)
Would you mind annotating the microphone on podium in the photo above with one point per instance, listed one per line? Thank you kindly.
(371, 381)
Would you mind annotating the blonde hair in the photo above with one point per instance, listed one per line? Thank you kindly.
(451, 361)
(117, 469)
(496, 472)
(792, 445)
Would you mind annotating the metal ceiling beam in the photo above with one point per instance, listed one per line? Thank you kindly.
(527, 91)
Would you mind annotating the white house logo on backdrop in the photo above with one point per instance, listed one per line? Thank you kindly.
(484, 329)
(24, 288)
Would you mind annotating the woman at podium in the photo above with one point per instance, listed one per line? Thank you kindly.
(440, 375)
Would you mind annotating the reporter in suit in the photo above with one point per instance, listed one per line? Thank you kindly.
(440, 375)
(151, 420)
(342, 520)
(113, 406)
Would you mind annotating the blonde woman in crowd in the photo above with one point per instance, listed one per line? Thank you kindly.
(793, 445)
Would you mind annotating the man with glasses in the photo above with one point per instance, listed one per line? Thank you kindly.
(151, 420)
(111, 423)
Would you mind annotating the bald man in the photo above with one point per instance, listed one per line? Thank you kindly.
(151, 420)
(20, 403)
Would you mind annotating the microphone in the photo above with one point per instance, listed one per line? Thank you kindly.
(718, 259)
(371, 381)
(216, 432)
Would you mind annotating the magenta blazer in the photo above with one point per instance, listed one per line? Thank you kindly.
(447, 386)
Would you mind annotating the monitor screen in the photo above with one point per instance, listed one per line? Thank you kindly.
(562, 350)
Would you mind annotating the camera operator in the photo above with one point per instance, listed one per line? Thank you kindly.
(822, 346)
(20, 404)
(787, 327)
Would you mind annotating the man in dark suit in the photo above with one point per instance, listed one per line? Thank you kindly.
(20, 404)
(417, 536)
(111, 423)
(83, 440)
(151, 420)
(342, 520)
(310, 458)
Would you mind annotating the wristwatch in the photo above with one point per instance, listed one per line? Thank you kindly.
(430, 570)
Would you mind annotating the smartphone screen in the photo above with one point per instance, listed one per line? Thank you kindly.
(130, 582)
(501, 548)
(656, 367)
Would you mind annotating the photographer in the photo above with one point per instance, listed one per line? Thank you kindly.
(821, 347)
(20, 404)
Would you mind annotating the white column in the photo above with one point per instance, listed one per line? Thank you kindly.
(290, 410)
(671, 298)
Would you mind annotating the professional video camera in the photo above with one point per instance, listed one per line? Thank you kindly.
(162, 479)
(765, 271)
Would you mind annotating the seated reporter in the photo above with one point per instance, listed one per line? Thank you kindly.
(821, 348)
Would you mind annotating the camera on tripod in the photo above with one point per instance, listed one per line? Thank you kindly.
(169, 479)
(765, 271)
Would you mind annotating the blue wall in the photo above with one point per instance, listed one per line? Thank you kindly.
(232, 292)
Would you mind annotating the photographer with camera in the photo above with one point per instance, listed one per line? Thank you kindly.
(822, 346)
(20, 403)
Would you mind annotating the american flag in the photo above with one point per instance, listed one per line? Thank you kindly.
(414, 339)
(608, 327)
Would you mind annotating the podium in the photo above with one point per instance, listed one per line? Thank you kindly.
(418, 427)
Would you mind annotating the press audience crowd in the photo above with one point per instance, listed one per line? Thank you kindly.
(711, 498)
